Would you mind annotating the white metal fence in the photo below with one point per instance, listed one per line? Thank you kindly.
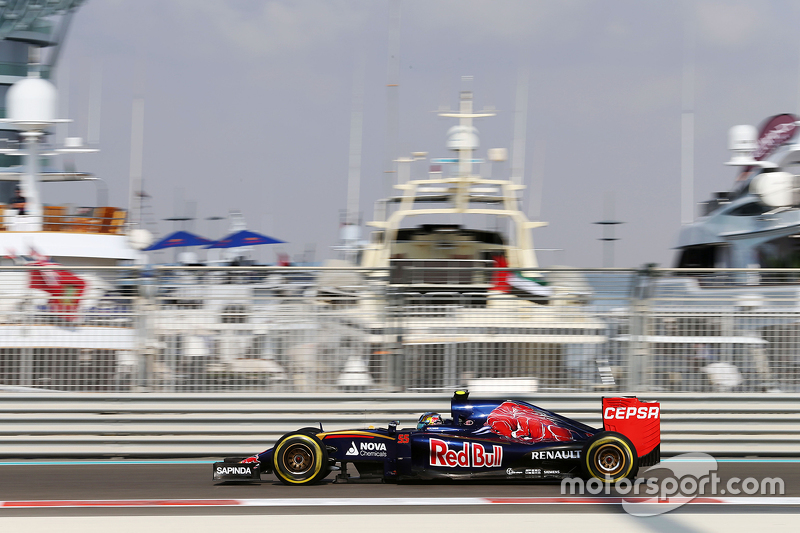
(424, 328)
(219, 425)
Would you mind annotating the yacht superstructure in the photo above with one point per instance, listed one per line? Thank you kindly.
(71, 235)
(757, 223)
(442, 305)
(735, 325)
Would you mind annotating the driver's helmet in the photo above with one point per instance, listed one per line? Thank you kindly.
(429, 419)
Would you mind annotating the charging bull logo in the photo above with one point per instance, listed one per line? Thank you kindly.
(471, 454)
(521, 423)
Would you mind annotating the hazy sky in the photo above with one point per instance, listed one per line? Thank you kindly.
(248, 104)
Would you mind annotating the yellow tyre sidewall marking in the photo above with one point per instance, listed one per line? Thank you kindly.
(623, 447)
(317, 458)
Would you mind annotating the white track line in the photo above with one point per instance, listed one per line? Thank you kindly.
(363, 502)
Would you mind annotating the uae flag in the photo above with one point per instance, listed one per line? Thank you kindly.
(534, 289)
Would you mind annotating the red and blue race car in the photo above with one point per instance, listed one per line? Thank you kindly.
(483, 440)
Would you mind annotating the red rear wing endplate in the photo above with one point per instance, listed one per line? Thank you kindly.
(639, 421)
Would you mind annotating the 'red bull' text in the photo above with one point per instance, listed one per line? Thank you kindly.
(471, 454)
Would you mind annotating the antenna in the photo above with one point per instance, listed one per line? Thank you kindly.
(95, 99)
(537, 179)
(687, 123)
(392, 98)
(520, 127)
(137, 149)
(63, 97)
(356, 130)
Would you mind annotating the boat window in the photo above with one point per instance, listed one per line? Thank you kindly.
(781, 252)
(698, 257)
(749, 210)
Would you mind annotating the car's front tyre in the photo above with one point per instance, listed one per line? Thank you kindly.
(300, 459)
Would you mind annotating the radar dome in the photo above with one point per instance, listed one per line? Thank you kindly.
(32, 100)
(775, 189)
(742, 141)
(462, 138)
(140, 239)
(742, 137)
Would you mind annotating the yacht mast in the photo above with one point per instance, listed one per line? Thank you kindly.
(687, 124)
(520, 128)
(392, 98)
(356, 132)
(137, 149)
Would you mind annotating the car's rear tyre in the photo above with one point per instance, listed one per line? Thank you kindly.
(300, 459)
(610, 457)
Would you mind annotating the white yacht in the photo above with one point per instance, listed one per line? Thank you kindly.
(432, 308)
(57, 326)
(757, 223)
(66, 321)
(737, 326)
(71, 235)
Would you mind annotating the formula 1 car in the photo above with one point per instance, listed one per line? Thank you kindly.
(484, 440)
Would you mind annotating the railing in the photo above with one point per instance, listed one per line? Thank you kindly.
(103, 220)
(202, 425)
(447, 272)
(311, 329)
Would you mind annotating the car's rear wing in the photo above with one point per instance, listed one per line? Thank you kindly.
(639, 421)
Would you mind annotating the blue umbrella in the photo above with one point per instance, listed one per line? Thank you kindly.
(179, 238)
(243, 238)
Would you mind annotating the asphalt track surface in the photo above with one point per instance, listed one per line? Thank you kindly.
(39, 481)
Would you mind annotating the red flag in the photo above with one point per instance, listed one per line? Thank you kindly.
(500, 277)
